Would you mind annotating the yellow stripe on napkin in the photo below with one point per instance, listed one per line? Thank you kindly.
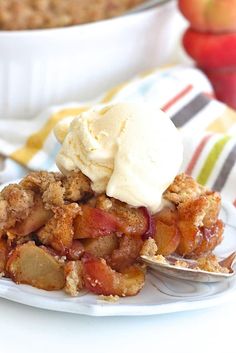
(224, 122)
(36, 141)
(112, 93)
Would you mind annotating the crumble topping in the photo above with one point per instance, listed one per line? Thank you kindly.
(15, 205)
(32, 14)
(58, 231)
(184, 188)
(77, 186)
(193, 200)
(56, 188)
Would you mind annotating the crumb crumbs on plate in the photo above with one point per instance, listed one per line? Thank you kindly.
(109, 298)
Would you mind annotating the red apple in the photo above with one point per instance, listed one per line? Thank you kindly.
(210, 15)
(224, 84)
(211, 51)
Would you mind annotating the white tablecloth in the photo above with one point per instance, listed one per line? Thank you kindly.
(24, 329)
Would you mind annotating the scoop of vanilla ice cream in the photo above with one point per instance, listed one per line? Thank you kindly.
(130, 151)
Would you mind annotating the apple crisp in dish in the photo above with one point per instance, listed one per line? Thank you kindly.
(35, 14)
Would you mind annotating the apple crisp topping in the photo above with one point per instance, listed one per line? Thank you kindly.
(33, 14)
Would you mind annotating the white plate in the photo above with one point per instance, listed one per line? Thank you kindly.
(159, 295)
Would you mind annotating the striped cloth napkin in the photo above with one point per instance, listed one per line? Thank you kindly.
(208, 128)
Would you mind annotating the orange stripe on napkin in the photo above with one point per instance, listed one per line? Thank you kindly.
(36, 141)
(176, 98)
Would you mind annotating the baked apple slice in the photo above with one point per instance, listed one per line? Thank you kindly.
(211, 238)
(30, 264)
(167, 235)
(76, 251)
(191, 238)
(191, 217)
(37, 218)
(131, 220)
(93, 222)
(101, 246)
(99, 278)
(127, 252)
(167, 238)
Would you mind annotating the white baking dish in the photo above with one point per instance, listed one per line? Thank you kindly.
(43, 67)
